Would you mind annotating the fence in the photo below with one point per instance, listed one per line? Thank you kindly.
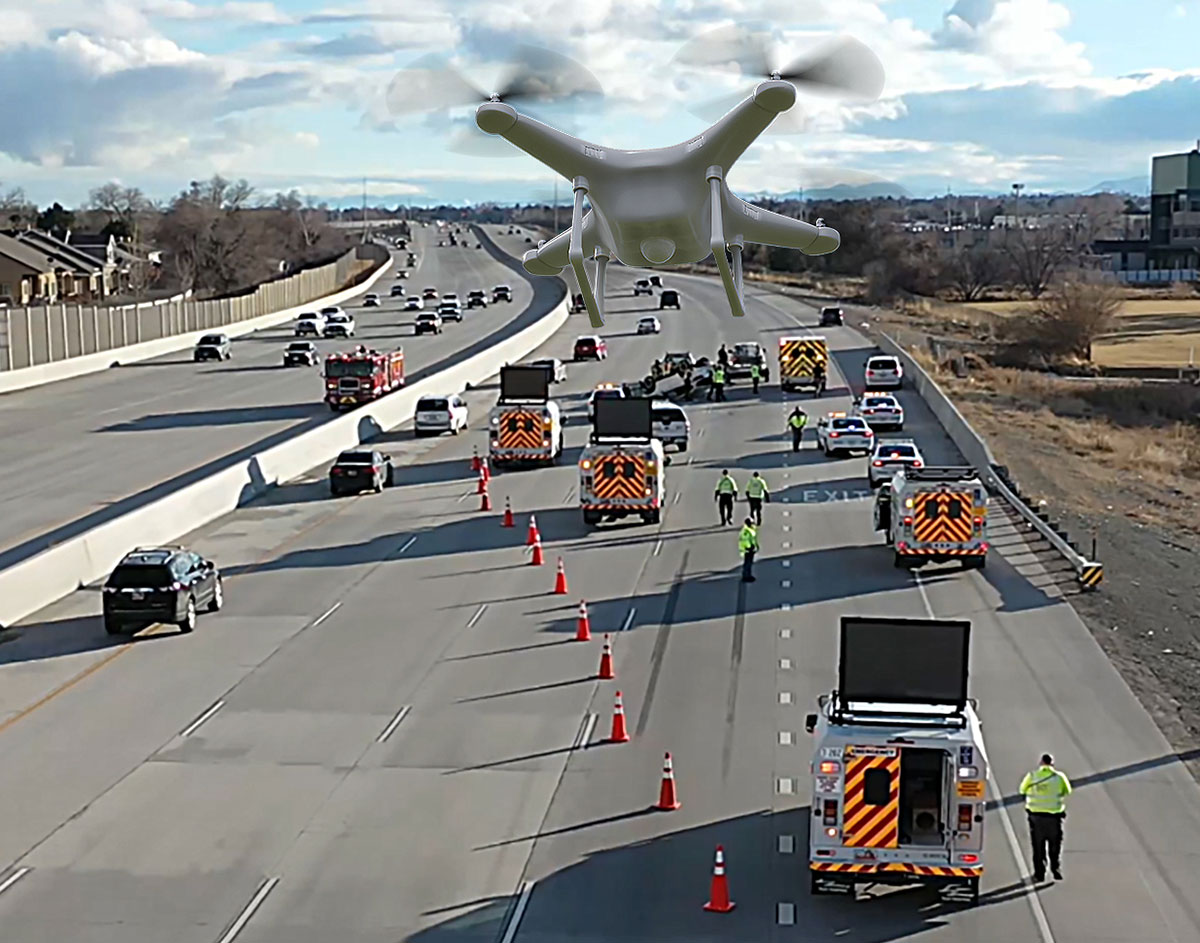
(34, 336)
(1161, 276)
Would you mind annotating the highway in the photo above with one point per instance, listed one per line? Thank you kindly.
(76, 453)
(388, 733)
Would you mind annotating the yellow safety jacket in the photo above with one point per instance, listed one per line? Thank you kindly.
(798, 422)
(719, 375)
(1045, 790)
(756, 488)
(726, 485)
(747, 539)
(755, 372)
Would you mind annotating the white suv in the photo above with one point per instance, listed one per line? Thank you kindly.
(671, 424)
(891, 456)
(310, 323)
(884, 372)
(440, 414)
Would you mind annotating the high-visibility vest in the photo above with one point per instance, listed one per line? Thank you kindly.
(1045, 790)
(726, 485)
(756, 488)
(747, 539)
(755, 373)
(798, 421)
(719, 375)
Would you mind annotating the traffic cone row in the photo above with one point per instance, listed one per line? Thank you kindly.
(606, 672)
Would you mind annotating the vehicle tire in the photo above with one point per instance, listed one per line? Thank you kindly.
(188, 623)
(683, 446)
(389, 477)
(454, 429)
(112, 626)
(218, 599)
(974, 563)
(591, 518)
(900, 562)
(654, 517)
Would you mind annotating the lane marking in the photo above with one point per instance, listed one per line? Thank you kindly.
(785, 664)
(332, 609)
(787, 527)
(657, 546)
(787, 545)
(244, 917)
(786, 607)
(65, 686)
(786, 584)
(514, 921)
(690, 457)
(13, 878)
(395, 722)
(583, 736)
(478, 614)
(463, 497)
(785, 786)
(787, 513)
(785, 697)
(411, 540)
(191, 729)
(785, 914)
(1010, 834)
(787, 562)
(785, 738)
(675, 500)
(629, 619)
(785, 633)
(787, 844)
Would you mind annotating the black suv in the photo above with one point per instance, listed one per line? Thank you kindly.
(831, 314)
(356, 471)
(160, 584)
(476, 299)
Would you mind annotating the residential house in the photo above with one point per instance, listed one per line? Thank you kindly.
(27, 275)
(82, 278)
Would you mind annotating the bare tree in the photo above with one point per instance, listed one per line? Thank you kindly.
(15, 208)
(1035, 256)
(1064, 326)
(971, 270)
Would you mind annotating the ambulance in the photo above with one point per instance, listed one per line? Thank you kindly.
(934, 514)
(899, 768)
(525, 425)
(797, 357)
(622, 471)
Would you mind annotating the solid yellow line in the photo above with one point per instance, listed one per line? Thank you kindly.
(66, 686)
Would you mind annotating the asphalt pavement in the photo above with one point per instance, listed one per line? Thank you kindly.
(76, 453)
(388, 733)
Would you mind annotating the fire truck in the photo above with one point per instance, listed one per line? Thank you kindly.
(797, 357)
(525, 425)
(361, 376)
(899, 769)
(934, 514)
(622, 470)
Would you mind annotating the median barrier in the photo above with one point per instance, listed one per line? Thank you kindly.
(58, 571)
(26, 377)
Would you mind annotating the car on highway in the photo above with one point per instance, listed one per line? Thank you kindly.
(428, 322)
(670, 424)
(838, 433)
(440, 414)
(160, 584)
(831, 315)
(668, 299)
(413, 303)
(477, 298)
(479, 245)
(553, 366)
(301, 354)
(450, 311)
(213, 347)
(603, 391)
(649, 326)
(880, 410)
(401, 275)
(656, 281)
(339, 325)
(397, 291)
(310, 322)
(360, 470)
(441, 243)
(450, 297)
(890, 456)
(501, 293)
(883, 372)
(371, 301)
(590, 347)
(430, 293)
(642, 287)
(331, 311)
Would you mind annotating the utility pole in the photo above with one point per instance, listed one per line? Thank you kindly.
(364, 208)
(1017, 188)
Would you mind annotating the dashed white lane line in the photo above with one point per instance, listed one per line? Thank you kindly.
(195, 724)
(478, 615)
(395, 722)
(787, 544)
(786, 528)
(786, 584)
(785, 738)
(514, 921)
(244, 917)
(785, 664)
(785, 914)
(787, 513)
(786, 607)
(411, 540)
(787, 562)
(586, 728)
(657, 547)
(785, 633)
(629, 619)
(787, 844)
(785, 697)
(785, 786)
(13, 878)
(327, 613)
(675, 500)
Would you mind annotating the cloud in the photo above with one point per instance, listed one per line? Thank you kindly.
(347, 46)
(243, 12)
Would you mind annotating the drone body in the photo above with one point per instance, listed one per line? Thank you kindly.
(663, 206)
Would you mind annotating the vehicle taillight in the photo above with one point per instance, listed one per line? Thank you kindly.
(585, 464)
(829, 814)
(877, 464)
(908, 522)
(978, 521)
(829, 767)
(968, 859)
(965, 815)
(902, 545)
(868, 433)
(834, 435)
(983, 546)
(176, 587)
(916, 464)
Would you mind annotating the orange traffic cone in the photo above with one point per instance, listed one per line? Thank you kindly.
(560, 580)
(537, 559)
(606, 663)
(533, 536)
(619, 733)
(475, 464)
(583, 625)
(667, 800)
(508, 515)
(481, 486)
(718, 895)
(485, 500)
(483, 467)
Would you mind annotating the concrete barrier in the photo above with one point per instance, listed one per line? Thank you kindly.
(34, 583)
(26, 377)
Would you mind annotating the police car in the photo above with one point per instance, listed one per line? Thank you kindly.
(838, 432)
(880, 410)
(891, 456)
(603, 391)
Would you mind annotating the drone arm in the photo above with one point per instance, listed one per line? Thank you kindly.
(773, 229)
(576, 254)
(717, 241)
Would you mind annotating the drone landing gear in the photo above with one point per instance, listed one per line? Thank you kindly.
(575, 254)
(717, 243)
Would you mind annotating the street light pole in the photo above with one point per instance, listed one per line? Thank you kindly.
(1017, 188)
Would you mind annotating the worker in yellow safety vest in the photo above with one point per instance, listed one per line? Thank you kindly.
(756, 492)
(748, 547)
(755, 374)
(796, 423)
(1045, 790)
(724, 496)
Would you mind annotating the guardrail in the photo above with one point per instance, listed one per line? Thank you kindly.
(975, 450)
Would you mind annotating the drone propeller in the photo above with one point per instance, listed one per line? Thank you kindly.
(843, 66)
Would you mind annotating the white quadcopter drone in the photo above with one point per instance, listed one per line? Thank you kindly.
(667, 205)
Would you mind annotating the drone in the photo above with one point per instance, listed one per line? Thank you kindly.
(663, 206)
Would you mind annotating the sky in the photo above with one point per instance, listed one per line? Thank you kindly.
(978, 94)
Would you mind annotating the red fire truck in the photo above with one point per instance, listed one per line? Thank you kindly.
(361, 376)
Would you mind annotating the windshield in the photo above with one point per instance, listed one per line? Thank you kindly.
(303, 348)
(586, 342)
(668, 416)
(882, 363)
(212, 340)
(349, 368)
(330, 311)
(135, 577)
(745, 350)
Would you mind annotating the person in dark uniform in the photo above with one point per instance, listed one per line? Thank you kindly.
(818, 378)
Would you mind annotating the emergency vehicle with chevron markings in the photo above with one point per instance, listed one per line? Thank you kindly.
(798, 355)
(525, 425)
(899, 768)
(934, 514)
(622, 470)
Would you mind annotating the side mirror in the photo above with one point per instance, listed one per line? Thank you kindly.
(810, 723)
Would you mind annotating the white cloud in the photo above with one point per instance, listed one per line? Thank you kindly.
(243, 12)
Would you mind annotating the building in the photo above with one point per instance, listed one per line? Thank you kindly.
(27, 275)
(82, 278)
